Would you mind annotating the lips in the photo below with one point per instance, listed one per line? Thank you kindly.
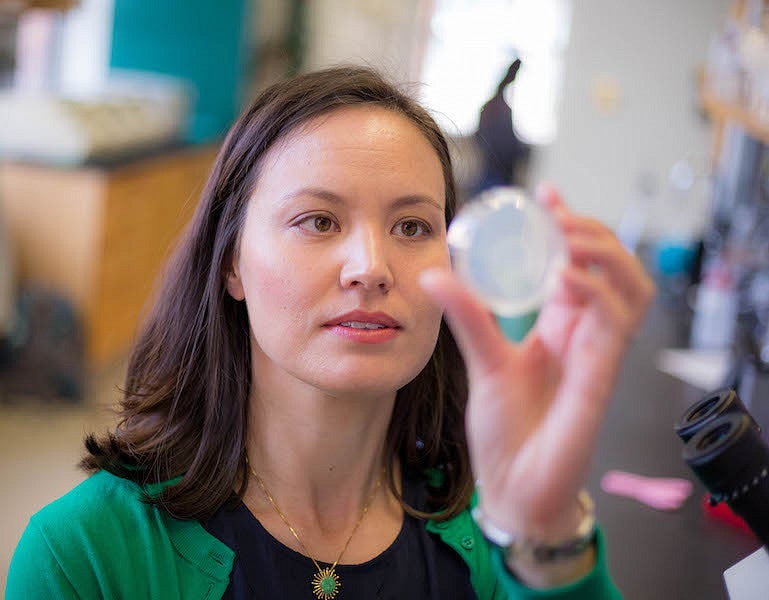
(359, 319)
(362, 327)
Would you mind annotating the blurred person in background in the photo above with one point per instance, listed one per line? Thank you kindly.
(298, 421)
(503, 153)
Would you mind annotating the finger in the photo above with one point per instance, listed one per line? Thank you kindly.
(575, 224)
(589, 376)
(549, 197)
(482, 344)
(623, 269)
(570, 223)
(593, 288)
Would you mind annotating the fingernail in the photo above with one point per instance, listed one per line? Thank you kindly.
(544, 193)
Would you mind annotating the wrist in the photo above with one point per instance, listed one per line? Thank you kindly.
(578, 521)
(547, 554)
(539, 575)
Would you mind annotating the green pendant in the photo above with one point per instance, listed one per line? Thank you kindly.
(326, 584)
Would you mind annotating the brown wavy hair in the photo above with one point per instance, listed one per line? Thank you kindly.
(185, 403)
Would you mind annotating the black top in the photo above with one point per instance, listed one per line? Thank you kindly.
(417, 565)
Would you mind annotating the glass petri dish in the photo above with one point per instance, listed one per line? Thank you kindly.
(508, 250)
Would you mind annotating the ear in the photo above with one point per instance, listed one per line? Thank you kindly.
(234, 283)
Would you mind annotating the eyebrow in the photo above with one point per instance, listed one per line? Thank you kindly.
(323, 194)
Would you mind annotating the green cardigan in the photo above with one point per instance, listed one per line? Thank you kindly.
(101, 541)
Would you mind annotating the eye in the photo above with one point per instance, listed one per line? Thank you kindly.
(412, 228)
(318, 224)
(322, 224)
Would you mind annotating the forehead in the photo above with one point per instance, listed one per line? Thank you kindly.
(356, 144)
(359, 125)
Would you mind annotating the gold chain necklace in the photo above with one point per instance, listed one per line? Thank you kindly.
(325, 583)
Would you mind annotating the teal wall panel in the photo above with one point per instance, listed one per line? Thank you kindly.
(201, 41)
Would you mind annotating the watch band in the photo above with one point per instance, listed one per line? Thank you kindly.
(523, 548)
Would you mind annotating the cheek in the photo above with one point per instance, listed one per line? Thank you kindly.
(428, 314)
(440, 259)
(273, 289)
(434, 317)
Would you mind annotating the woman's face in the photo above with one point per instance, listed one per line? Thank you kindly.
(348, 211)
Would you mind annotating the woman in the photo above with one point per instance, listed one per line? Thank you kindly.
(294, 413)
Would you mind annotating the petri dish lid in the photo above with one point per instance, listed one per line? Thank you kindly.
(507, 249)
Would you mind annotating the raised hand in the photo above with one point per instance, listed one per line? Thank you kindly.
(535, 408)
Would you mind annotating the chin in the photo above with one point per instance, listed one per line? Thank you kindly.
(363, 382)
(357, 388)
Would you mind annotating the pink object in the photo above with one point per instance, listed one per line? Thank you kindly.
(662, 493)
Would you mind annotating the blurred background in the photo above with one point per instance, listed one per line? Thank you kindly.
(651, 116)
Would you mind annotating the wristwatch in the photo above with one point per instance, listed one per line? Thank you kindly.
(517, 547)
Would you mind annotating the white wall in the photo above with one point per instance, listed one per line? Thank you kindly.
(386, 34)
(648, 52)
(651, 50)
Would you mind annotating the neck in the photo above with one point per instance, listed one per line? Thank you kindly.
(319, 455)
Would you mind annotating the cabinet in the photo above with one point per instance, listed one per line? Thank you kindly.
(100, 236)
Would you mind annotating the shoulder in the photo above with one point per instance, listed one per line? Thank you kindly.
(98, 537)
(101, 499)
(104, 516)
(69, 544)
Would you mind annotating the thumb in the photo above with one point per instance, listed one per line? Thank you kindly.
(482, 344)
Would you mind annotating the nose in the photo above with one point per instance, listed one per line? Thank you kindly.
(365, 262)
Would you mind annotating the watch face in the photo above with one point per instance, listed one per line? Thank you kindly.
(507, 249)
